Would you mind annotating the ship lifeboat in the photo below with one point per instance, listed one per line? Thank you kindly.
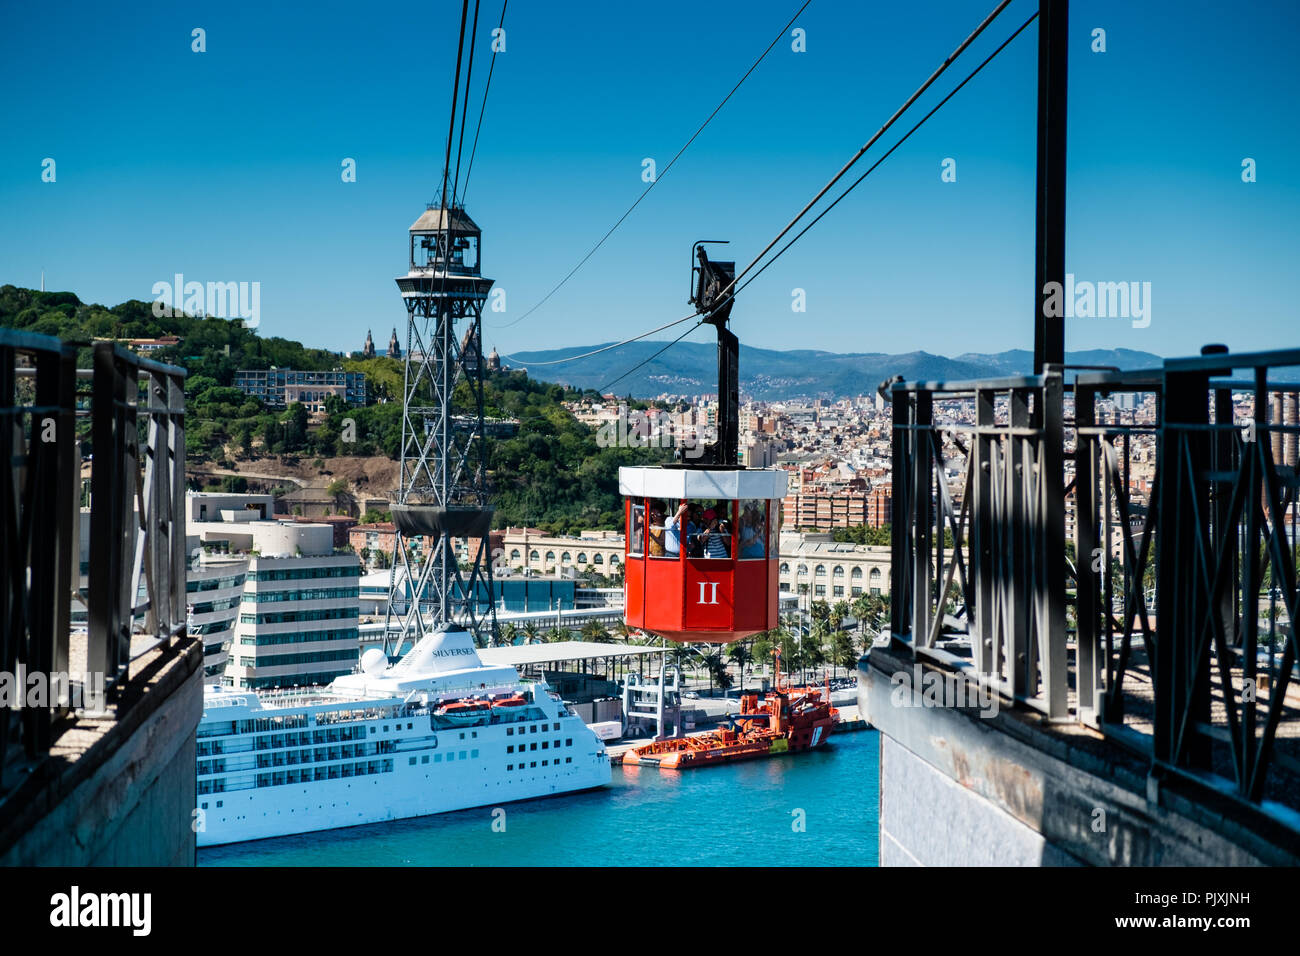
(506, 703)
(701, 560)
(464, 710)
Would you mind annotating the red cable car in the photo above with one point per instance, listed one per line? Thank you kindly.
(701, 562)
(700, 559)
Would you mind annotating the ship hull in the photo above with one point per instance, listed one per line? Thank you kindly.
(408, 792)
(695, 754)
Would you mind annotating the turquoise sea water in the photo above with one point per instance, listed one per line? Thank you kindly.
(741, 814)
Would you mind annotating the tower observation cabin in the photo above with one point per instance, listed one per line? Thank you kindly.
(701, 560)
(446, 253)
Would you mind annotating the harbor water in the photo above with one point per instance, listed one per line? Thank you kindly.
(812, 809)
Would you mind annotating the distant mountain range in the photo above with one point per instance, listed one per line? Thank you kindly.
(690, 368)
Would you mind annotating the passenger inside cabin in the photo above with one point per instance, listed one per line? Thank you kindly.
(657, 529)
(752, 531)
(694, 525)
(709, 530)
(673, 530)
(715, 540)
(636, 534)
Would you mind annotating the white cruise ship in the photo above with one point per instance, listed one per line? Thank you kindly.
(437, 731)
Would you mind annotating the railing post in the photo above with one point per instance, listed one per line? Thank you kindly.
(923, 521)
(113, 521)
(1015, 583)
(1050, 578)
(986, 643)
(1087, 519)
(900, 541)
(1181, 674)
(68, 505)
(175, 394)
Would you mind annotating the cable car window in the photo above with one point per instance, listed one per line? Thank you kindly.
(665, 529)
(753, 529)
(708, 529)
(636, 534)
(774, 528)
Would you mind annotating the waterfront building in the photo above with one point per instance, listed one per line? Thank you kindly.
(214, 587)
(533, 551)
(298, 609)
(813, 564)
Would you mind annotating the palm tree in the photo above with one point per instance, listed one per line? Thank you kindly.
(843, 652)
(820, 610)
(872, 611)
(839, 612)
(713, 664)
(740, 655)
(861, 607)
(761, 648)
(814, 645)
(531, 632)
(719, 671)
(595, 631)
(507, 633)
(553, 634)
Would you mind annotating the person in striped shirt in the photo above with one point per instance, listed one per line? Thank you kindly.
(716, 538)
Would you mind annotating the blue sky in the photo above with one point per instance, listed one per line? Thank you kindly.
(225, 165)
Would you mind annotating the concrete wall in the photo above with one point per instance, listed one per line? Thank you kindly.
(928, 819)
(116, 792)
(958, 788)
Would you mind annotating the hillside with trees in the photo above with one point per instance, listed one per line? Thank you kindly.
(551, 473)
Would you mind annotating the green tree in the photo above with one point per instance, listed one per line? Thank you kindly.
(740, 654)
(294, 422)
(839, 611)
(843, 652)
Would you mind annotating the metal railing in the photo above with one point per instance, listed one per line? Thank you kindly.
(990, 545)
(136, 542)
(137, 571)
(1116, 549)
(38, 433)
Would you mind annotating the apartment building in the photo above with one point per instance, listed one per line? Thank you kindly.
(298, 600)
(281, 387)
(214, 587)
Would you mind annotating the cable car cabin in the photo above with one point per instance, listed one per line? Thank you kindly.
(701, 562)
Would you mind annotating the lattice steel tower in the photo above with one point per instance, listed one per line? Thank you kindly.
(442, 486)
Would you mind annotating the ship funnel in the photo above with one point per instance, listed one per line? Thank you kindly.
(442, 650)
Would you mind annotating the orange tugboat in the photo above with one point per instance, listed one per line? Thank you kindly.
(788, 720)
